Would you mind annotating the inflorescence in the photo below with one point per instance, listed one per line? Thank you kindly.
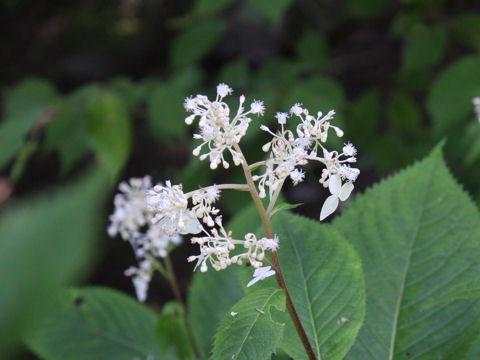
(153, 218)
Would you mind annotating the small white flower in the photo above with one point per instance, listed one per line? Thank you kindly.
(281, 117)
(260, 274)
(257, 107)
(349, 150)
(296, 109)
(476, 103)
(297, 176)
(338, 191)
(223, 90)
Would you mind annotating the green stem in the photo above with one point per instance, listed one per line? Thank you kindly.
(178, 296)
(278, 271)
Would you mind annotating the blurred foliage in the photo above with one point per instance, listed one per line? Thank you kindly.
(400, 75)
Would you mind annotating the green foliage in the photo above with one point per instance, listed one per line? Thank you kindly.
(467, 30)
(26, 106)
(474, 351)
(47, 242)
(166, 115)
(424, 48)
(271, 13)
(324, 277)
(417, 234)
(96, 323)
(248, 331)
(366, 9)
(108, 125)
(449, 101)
(312, 49)
(208, 6)
(404, 115)
(172, 333)
(195, 42)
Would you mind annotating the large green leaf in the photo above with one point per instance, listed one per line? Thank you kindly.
(109, 128)
(271, 11)
(97, 324)
(450, 99)
(418, 235)
(213, 293)
(25, 105)
(44, 243)
(324, 277)
(474, 350)
(249, 331)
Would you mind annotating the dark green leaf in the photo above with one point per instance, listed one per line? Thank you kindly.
(312, 49)
(366, 9)
(172, 333)
(97, 324)
(248, 330)
(467, 30)
(272, 11)
(208, 6)
(194, 43)
(109, 128)
(45, 242)
(404, 115)
(25, 106)
(418, 235)
(450, 99)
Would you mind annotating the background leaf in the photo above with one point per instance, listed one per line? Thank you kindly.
(25, 105)
(110, 132)
(172, 333)
(52, 250)
(418, 235)
(271, 13)
(251, 333)
(97, 323)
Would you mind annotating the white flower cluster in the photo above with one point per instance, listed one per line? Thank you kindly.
(218, 131)
(476, 103)
(289, 149)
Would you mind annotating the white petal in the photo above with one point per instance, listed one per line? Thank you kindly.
(346, 191)
(335, 184)
(253, 281)
(141, 288)
(260, 271)
(192, 226)
(329, 206)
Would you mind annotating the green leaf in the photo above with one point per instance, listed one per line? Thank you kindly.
(271, 11)
(404, 22)
(236, 74)
(214, 292)
(166, 115)
(52, 250)
(449, 101)
(424, 48)
(474, 351)
(194, 43)
(324, 277)
(363, 118)
(209, 6)
(312, 49)
(97, 323)
(67, 134)
(467, 30)
(404, 115)
(366, 9)
(25, 105)
(418, 236)
(248, 330)
(172, 333)
(284, 206)
(109, 128)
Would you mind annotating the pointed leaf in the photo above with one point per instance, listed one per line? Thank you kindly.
(324, 277)
(97, 323)
(418, 235)
(248, 330)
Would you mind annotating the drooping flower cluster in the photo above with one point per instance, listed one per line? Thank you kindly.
(476, 103)
(153, 219)
(218, 132)
(289, 149)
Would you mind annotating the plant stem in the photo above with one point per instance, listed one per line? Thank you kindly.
(178, 296)
(278, 271)
(274, 198)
